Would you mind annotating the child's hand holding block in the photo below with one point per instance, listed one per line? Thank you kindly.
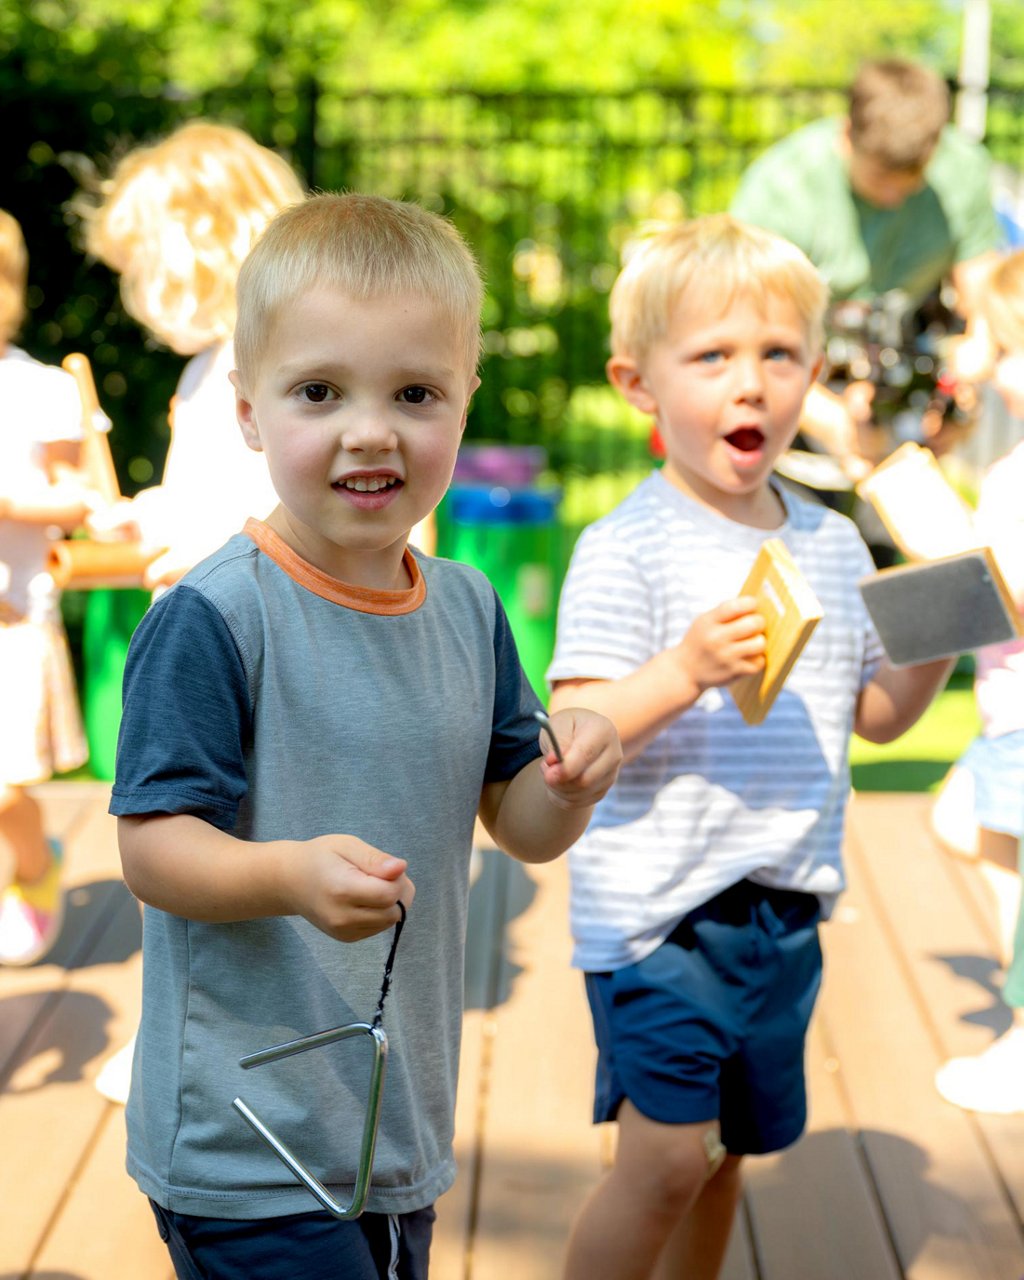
(941, 608)
(791, 611)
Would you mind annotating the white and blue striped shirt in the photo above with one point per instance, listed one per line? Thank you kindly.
(712, 800)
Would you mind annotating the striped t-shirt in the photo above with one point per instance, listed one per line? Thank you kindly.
(712, 800)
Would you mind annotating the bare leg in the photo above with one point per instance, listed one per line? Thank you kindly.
(658, 1175)
(22, 842)
(993, 1081)
(998, 868)
(952, 814)
(696, 1248)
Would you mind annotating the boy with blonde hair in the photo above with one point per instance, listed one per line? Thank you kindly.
(313, 718)
(698, 888)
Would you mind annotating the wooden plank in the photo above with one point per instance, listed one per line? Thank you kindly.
(456, 1211)
(812, 1207)
(542, 1154)
(70, 1012)
(944, 948)
(941, 1199)
(905, 986)
(128, 1244)
(951, 956)
(49, 1104)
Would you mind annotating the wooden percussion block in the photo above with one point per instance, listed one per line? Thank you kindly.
(941, 608)
(924, 514)
(84, 564)
(791, 611)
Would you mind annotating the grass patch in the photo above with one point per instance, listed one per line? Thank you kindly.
(921, 758)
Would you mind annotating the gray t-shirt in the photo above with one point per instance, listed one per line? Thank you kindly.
(274, 702)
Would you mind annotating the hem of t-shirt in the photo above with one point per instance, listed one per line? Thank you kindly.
(361, 599)
(128, 802)
(241, 1206)
(592, 959)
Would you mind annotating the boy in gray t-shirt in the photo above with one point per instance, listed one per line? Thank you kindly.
(313, 719)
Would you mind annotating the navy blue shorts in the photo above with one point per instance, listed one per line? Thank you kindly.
(711, 1025)
(315, 1246)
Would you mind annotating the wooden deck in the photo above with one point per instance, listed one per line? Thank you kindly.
(889, 1181)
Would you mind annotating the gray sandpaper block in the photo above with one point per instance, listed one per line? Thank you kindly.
(940, 608)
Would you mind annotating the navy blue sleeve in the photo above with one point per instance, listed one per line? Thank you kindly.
(186, 718)
(514, 731)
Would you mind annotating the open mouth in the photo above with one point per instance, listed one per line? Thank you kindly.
(746, 439)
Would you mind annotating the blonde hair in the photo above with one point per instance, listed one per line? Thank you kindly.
(366, 246)
(716, 256)
(176, 220)
(13, 277)
(897, 112)
(1001, 303)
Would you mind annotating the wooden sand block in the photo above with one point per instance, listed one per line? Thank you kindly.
(924, 514)
(82, 564)
(941, 608)
(791, 611)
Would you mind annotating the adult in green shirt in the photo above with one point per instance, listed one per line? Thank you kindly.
(889, 197)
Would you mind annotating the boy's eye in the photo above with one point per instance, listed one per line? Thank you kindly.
(316, 392)
(779, 353)
(414, 395)
(709, 357)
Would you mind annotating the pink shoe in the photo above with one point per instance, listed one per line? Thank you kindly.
(31, 915)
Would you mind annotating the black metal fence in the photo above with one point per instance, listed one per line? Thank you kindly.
(545, 186)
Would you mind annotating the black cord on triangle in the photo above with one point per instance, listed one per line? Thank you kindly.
(378, 1017)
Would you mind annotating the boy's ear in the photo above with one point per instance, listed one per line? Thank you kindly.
(626, 377)
(246, 414)
(473, 384)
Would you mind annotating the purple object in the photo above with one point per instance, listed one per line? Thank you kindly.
(512, 466)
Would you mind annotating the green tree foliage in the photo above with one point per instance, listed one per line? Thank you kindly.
(545, 185)
(199, 45)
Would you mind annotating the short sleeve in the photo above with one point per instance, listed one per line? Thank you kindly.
(605, 615)
(61, 415)
(187, 715)
(514, 731)
(874, 653)
(977, 232)
(770, 195)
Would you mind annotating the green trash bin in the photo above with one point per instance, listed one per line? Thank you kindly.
(111, 617)
(513, 536)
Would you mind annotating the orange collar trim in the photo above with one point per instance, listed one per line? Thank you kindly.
(363, 599)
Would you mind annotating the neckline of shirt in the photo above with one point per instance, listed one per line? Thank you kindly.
(720, 525)
(362, 599)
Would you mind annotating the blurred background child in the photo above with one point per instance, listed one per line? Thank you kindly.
(41, 491)
(980, 810)
(175, 220)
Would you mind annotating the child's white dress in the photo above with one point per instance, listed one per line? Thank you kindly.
(40, 724)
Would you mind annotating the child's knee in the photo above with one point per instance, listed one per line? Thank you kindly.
(671, 1165)
(690, 1163)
